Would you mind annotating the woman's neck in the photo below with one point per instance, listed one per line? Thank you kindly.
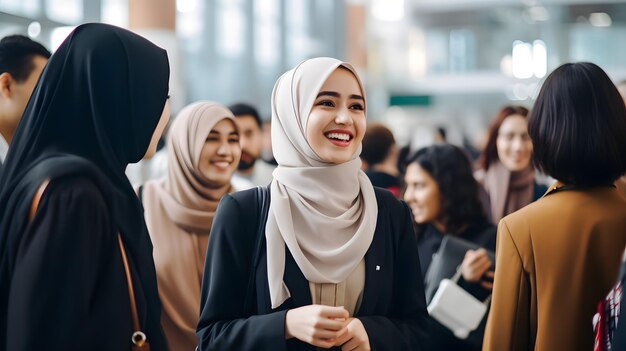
(440, 226)
(216, 192)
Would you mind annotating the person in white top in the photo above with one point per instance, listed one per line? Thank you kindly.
(21, 62)
(252, 170)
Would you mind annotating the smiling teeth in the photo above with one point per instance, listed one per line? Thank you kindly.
(221, 164)
(340, 136)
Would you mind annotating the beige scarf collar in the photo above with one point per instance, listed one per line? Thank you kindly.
(324, 213)
(508, 191)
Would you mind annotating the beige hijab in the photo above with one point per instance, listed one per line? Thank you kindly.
(324, 213)
(179, 211)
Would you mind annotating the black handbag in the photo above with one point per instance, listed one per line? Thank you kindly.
(447, 260)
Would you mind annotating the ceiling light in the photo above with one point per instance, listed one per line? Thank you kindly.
(34, 29)
(600, 19)
(538, 13)
(388, 10)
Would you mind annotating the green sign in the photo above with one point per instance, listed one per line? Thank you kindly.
(409, 100)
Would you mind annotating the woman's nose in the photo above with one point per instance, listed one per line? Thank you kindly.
(223, 149)
(343, 117)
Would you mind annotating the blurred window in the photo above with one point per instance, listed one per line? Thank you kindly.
(27, 8)
(266, 33)
(65, 11)
(231, 28)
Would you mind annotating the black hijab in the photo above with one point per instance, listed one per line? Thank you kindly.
(93, 111)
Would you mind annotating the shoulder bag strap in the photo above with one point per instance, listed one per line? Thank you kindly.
(264, 207)
(262, 194)
(138, 338)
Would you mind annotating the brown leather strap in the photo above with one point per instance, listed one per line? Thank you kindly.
(138, 338)
(37, 198)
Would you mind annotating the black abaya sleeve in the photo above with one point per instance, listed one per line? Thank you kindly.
(67, 285)
(224, 323)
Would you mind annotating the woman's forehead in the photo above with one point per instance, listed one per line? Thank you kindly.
(342, 80)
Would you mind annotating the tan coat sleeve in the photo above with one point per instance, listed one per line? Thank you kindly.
(508, 325)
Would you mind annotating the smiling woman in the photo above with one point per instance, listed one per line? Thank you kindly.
(203, 152)
(443, 196)
(220, 154)
(505, 167)
(326, 260)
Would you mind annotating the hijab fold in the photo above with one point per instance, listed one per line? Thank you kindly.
(324, 213)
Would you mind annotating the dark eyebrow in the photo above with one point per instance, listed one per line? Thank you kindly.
(357, 97)
(335, 94)
(216, 132)
(328, 93)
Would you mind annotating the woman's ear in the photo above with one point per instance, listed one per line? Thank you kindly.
(6, 85)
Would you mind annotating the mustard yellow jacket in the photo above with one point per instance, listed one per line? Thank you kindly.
(555, 260)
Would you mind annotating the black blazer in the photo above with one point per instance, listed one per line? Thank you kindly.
(235, 316)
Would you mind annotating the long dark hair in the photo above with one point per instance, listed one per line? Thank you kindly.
(490, 152)
(451, 169)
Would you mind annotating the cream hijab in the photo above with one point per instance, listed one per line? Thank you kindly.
(324, 213)
(179, 211)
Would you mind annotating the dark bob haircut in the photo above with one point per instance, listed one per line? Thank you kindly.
(377, 143)
(490, 152)
(451, 169)
(578, 126)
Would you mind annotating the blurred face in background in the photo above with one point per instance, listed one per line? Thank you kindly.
(251, 139)
(220, 154)
(422, 195)
(14, 95)
(513, 143)
(336, 124)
